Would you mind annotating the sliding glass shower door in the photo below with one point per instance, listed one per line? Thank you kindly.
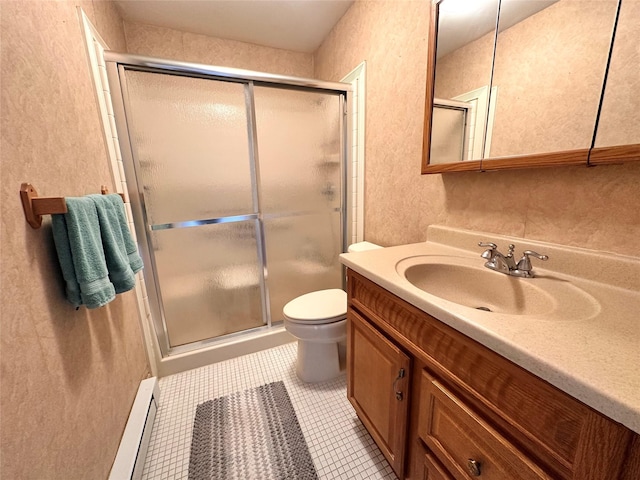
(239, 195)
(299, 146)
(194, 169)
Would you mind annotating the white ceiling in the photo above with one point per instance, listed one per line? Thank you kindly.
(298, 25)
(463, 21)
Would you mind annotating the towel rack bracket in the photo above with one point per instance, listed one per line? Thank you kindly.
(27, 194)
(35, 207)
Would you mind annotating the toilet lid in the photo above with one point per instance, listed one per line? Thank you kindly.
(323, 305)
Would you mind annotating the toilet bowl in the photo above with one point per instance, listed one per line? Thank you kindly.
(318, 320)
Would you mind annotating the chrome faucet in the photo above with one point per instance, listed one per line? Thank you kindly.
(506, 263)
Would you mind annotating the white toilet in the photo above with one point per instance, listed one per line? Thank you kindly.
(319, 321)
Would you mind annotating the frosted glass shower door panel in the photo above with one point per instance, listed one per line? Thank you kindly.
(302, 256)
(299, 142)
(448, 135)
(209, 280)
(190, 140)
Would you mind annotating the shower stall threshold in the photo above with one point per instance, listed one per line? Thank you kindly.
(235, 347)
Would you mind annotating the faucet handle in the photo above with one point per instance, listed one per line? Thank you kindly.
(488, 254)
(528, 253)
(523, 268)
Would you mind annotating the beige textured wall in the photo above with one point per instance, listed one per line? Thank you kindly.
(190, 47)
(590, 207)
(68, 377)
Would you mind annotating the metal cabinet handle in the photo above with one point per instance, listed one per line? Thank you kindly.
(473, 467)
(399, 394)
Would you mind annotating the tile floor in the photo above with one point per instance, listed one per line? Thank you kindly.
(339, 444)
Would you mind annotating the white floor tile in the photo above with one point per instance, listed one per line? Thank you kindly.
(340, 446)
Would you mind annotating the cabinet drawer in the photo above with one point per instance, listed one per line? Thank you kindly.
(433, 470)
(465, 444)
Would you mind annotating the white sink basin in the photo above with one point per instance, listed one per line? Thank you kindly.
(465, 281)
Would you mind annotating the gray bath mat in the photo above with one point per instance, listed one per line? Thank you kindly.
(253, 434)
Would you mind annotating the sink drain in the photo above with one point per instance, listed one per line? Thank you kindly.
(484, 309)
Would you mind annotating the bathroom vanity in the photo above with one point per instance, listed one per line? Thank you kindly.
(451, 392)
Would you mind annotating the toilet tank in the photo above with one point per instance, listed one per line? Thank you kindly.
(362, 247)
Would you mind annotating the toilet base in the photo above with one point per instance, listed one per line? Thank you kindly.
(317, 362)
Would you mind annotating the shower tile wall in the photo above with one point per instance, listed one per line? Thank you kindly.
(339, 445)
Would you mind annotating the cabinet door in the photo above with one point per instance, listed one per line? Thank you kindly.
(377, 387)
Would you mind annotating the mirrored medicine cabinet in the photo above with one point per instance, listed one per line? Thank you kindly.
(531, 83)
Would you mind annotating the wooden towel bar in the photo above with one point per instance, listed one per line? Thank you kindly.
(34, 207)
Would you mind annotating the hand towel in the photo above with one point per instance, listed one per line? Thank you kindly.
(121, 252)
(135, 261)
(77, 238)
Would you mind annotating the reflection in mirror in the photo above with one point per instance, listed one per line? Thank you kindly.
(450, 130)
(464, 54)
(549, 70)
(620, 116)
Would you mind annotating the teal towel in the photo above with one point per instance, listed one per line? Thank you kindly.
(121, 252)
(135, 261)
(81, 255)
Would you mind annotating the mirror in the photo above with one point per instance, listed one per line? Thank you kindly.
(466, 36)
(549, 70)
(529, 95)
(618, 133)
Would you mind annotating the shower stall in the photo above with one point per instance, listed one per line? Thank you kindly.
(237, 187)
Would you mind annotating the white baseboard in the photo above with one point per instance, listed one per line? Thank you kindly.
(135, 440)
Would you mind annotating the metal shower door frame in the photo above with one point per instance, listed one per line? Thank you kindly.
(116, 65)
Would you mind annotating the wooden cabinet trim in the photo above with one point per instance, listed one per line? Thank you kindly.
(537, 160)
(631, 465)
(614, 155)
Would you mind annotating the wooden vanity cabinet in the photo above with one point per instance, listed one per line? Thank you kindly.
(467, 411)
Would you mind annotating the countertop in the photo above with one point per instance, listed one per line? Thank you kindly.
(594, 357)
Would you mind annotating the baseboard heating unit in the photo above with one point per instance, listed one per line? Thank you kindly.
(133, 447)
